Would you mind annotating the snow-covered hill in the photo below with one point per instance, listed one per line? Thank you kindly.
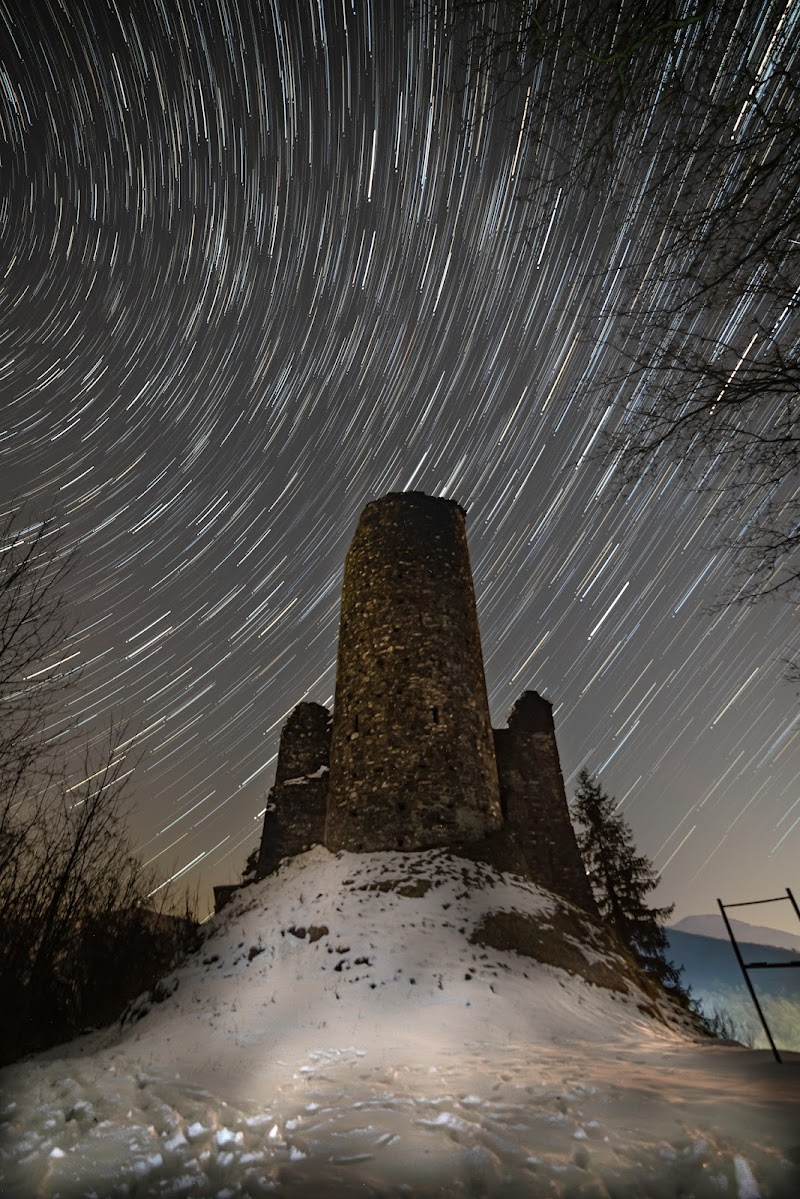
(712, 925)
(396, 1024)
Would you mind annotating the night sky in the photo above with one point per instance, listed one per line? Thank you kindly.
(265, 262)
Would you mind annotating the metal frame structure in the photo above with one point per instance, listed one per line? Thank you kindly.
(745, 966)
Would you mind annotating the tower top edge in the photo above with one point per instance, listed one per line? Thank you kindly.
(417, 499)
(532, 713)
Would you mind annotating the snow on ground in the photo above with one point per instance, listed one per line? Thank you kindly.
(342, 1032)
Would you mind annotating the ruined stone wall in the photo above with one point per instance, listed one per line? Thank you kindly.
(535, 803)
(412, 757)
(224, 894)
(296, 805)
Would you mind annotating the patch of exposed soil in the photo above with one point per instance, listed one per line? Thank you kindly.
(546, 940)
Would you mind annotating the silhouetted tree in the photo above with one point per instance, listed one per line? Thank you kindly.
(590, 79)
(686, 113)
(621, 879)
(70, 884)
(34, 631)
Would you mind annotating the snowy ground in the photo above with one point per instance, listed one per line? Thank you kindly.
(341, 1034)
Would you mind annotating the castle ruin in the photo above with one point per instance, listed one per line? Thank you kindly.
(294, 819)
(410, 760)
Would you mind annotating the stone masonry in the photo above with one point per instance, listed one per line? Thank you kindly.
(414, 762)
(412, 757)
(296, 805)
(535, 803)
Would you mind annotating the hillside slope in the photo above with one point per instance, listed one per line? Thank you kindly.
(396, 1024)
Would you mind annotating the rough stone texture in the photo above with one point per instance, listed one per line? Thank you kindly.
(412, 758)
(534, 801)
(295, 815)
(500, 849)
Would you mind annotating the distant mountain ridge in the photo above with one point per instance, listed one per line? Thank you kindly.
(712, 925)
(718, 986)
(710, 964)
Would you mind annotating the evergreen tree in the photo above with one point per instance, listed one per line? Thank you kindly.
(621, 880)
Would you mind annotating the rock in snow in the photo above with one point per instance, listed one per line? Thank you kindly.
(401, 1025)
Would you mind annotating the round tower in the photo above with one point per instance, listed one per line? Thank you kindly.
(412, 758)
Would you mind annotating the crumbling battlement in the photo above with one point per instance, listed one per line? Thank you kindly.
(296, 805)
(535, 803)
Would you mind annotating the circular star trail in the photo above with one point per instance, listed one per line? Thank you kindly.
(263, 262)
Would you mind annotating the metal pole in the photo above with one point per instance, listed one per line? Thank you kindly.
(750, 988)
(793, 902)
(748, 903)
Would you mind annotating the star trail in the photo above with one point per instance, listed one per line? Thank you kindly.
(266, 260)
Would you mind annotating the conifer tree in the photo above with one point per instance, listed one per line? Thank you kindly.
(621, 879)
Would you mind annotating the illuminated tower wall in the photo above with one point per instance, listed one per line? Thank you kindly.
(412, 755)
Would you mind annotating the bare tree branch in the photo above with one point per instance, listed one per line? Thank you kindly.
(687, 112)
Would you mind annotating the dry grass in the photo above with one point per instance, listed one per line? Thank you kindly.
(547, 940)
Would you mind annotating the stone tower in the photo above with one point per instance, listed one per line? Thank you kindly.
(295, 815)
(412, 758)
(535, 803)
